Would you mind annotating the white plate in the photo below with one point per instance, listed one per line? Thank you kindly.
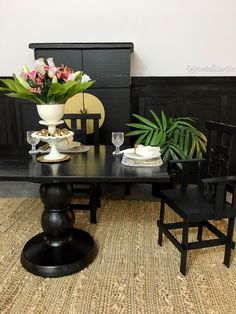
(131, 154)
(69, 146)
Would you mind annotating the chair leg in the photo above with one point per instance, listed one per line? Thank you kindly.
(127, 189)
(228, 246)
(161, 220)
(93, 214)
(183, 260)
(98, 195)
(93, 203)
(199, 232)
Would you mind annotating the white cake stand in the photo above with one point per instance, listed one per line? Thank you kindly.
(54, 155)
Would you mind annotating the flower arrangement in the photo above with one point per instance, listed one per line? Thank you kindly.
(46, 83)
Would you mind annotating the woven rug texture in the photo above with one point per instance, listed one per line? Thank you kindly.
(130, 274)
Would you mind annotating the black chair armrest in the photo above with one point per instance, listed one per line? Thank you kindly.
(184, 161)
(228, 179)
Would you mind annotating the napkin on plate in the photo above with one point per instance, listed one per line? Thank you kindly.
(146, 151)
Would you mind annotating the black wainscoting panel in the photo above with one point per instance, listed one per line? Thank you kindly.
(200, 97)
(71, 58)
(27, 119)
(157, 104)
(203, 108)
(204, 98)
(3, 125)
(8, 129)
(228, 110)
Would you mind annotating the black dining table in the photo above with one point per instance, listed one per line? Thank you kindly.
(61, 249)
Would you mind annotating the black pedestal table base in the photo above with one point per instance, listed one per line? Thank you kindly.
(61, 249)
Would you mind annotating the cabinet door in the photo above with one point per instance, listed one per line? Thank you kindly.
(69, 57)
(116, 102)
(109, 67)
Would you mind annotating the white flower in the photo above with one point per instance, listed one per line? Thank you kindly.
(52, 71)
(50, 62)
(85, 78)
(39, 66)
(71, 77)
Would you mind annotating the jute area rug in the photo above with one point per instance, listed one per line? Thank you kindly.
(131, 273)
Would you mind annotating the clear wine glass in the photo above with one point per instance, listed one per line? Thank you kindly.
(117, 139)
(32, 141)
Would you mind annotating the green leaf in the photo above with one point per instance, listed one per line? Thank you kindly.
(178, 151)
(30, 97)
(137, 132)
(186, 143)
(141, 138)
(202, 136)
(173, 127)
(139, 126)
(166, 155)
(163, 139)
(145, 120)
(147, 141)
(192, 149)
(158, 121)
(164, 121)
(202, 145)
(15, 86)
(176, 136)
(190, 119)
(157, 137)
(187, 124)
(181, 139)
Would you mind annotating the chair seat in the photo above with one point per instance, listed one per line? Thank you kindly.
(192, 204)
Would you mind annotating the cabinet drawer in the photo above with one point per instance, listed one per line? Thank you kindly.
(69, 57)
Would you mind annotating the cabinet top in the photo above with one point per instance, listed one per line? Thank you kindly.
(108, 45)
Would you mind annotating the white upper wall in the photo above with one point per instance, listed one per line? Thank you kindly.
(171, 37)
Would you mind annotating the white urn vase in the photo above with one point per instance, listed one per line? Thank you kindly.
(51, 113)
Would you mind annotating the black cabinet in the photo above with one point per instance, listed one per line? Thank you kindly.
(109, 65)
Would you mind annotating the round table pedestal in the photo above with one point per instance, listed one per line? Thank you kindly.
(61, 249)
(42, 259)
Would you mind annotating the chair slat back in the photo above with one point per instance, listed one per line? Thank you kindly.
(82, 133)
(219, 152)
(219, 148)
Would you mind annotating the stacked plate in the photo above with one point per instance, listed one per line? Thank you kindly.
(144, 156)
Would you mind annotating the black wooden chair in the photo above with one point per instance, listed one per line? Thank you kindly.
(81, 135)
(197, 204)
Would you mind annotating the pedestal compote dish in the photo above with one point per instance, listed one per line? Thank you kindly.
(53, 136)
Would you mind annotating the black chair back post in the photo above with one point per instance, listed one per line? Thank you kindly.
(200, 204)
(82, 133)
(219, 147)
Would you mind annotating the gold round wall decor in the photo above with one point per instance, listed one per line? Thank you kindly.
(85, 102)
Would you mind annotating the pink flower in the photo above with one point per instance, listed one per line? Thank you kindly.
(31, 75)
(36, 90)
(63, 73)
